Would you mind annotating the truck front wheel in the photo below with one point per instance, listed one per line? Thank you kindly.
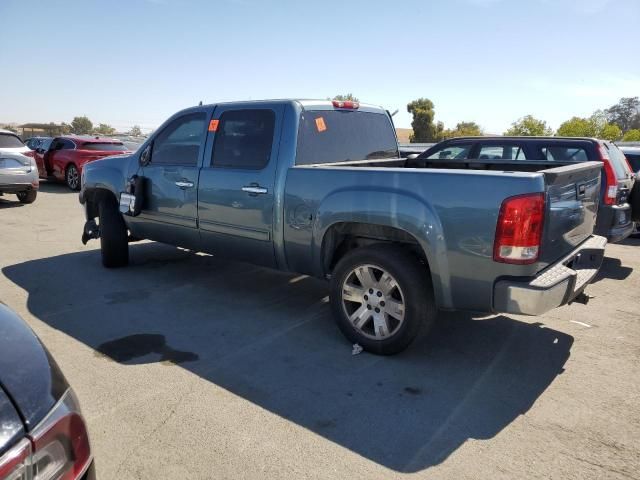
(114, 244)
(381, 296)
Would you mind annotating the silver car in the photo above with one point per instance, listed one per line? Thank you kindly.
(18, 175)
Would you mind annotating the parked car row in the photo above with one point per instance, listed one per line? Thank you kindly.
(615, 215)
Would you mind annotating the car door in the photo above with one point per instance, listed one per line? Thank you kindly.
(236, 190)
(169, 212)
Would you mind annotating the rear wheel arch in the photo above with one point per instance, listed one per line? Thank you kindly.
(95, 196)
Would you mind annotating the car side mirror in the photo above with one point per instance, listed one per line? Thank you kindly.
(145, 156)
(413, 156)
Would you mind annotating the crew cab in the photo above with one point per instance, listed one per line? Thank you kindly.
(614, 219)
(65, 157)
(319, 188)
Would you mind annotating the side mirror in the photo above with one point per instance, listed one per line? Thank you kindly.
(145, 156)
(413, 156)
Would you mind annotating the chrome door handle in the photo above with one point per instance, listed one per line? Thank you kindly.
(255, 190)
(184, 184)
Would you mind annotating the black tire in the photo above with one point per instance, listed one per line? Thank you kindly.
(415, 287)
(72, 177)
(114, 244)
(27, 197)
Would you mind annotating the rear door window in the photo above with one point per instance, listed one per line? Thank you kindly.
(329, 136)
(244, 139)
(565, 153)
(8, 140)
(501, 152)
(458, 151)
(104, 147)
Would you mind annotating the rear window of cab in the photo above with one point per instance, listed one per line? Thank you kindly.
(329, 136)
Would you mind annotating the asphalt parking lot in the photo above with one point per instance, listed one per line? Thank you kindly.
(190, 366)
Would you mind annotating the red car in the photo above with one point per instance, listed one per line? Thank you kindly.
(66, 156)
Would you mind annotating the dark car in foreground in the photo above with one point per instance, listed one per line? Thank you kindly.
(614, 214)
(319, 188)
(43, 435)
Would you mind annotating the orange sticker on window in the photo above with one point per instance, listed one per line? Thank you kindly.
(213, 125)
(320, 125)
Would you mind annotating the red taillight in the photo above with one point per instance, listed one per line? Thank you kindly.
(14, 465)
(29, 153)
(346, 104)
(611, 181)
(58, 448)
(519, 229)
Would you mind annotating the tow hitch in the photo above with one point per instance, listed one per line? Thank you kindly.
(91, 230)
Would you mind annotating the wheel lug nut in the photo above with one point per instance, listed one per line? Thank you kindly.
(377, 310)
(366, 297)
(368, 307)
(371, 290)
(379, 294)
(382, 304)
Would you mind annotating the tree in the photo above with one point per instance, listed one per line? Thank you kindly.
(463, 129)
(632, 135)
(81, 125)
(135, 131)
(424, 130)
(594, 126)
(528, 126)
(104, 129)
(10, 128)
(625, 113)
(65, 128)
(348, 96)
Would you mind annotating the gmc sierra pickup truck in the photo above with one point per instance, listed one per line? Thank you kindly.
(319, 188)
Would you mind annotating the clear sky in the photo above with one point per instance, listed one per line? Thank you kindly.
(126, 62)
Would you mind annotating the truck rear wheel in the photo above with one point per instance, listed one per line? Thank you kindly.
(114, 244)
(381, 296)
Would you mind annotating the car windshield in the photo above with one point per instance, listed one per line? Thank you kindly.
(8, 140)
(104, 146)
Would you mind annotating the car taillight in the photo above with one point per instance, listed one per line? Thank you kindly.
(15, 464)
(58, 448)
(519, 229)
(611, 181)
(346, 104)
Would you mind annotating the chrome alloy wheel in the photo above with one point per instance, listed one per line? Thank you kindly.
(73, 177)
(373, 302)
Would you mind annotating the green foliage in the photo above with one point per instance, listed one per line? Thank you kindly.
(81, 126)
(594, 126)
(104, 129)
(463, 129)
(135, 131)
(348, 96)
(632, 135)
(10, 128)
(424, 130)
(625, 113)
(65, 128)
(529, 126)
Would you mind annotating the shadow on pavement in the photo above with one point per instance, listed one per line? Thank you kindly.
(6, 201)
(52, 186)
(269, 337)
(612, 268)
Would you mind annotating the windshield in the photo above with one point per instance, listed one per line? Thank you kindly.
(328, 136)
(7, 140)
(104, 147)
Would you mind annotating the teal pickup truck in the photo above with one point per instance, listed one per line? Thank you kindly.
(319, 188)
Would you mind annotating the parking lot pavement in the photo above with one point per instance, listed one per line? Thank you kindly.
(189, 366)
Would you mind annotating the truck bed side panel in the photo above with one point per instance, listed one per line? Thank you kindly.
(452, 214)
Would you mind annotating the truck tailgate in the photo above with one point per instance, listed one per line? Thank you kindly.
(573, 192)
